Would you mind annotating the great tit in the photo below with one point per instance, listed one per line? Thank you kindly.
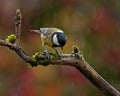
(53, 37)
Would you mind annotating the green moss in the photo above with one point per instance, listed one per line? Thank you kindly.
(40, 58)
(54, 55)
(11, 38)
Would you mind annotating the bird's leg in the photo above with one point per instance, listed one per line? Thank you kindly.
(45, 49)
(58, 53)
(46, 53)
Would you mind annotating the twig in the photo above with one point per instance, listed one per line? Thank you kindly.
(68, 59)
(17, 22)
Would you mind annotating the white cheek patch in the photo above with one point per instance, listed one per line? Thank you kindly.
(55, 40)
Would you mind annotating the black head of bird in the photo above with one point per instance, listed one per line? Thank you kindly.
(58, 39)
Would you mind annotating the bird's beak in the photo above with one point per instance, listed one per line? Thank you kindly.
(37, 31)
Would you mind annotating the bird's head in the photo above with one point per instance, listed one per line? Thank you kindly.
(59, 39)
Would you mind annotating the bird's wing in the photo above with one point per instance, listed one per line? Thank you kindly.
(45, 31)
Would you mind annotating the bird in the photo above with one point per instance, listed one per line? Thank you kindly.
(53, 37)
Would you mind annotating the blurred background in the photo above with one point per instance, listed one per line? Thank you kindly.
(93, 25)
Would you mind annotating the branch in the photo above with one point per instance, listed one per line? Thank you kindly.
(74, 59)
(90, 74)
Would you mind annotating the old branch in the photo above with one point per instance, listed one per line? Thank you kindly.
(74, 59)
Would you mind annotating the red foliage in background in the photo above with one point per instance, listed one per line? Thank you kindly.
(102, 23)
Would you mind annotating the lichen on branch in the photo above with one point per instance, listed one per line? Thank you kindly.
(11, 38)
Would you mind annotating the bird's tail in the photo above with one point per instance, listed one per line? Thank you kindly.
(37, 31)
(42, 30)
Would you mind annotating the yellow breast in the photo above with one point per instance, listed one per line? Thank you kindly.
(47, 41)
